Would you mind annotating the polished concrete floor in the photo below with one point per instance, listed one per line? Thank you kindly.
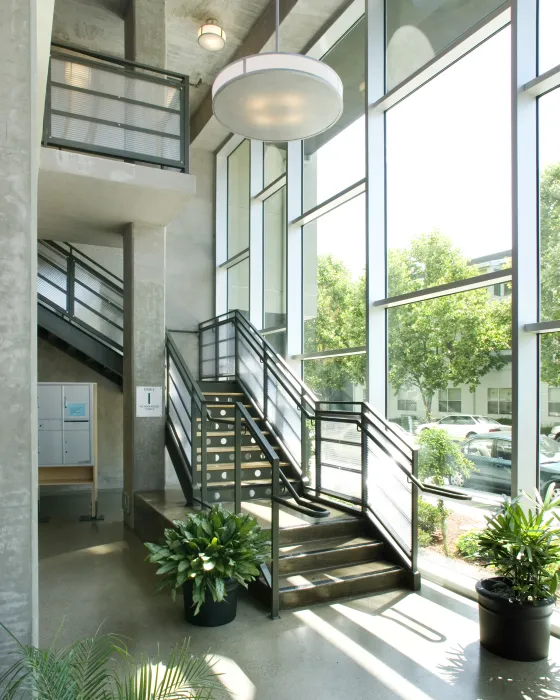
(398, 645)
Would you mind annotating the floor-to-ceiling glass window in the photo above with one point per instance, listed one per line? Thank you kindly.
(274, 269)
(238, 207)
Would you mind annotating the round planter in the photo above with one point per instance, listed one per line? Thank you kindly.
(212, 614)
(512, 630)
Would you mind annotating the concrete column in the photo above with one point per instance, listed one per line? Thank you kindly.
(144, 33)
(18, 324)
(144, 359)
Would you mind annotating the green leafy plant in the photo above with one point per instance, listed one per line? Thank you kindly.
(440, 457)
(467, 544)
(522, 545)
(100, 668)
(209, 548)
(431, 518)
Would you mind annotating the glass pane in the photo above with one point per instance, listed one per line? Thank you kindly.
(337, 379)
(238, 199)
(238, 287)
(419, 31)
(278, 341)
(334, 279)
(449, 174)
(336, 159)
(549, 162)
(274, 226)
(549, 46)
(440, 347)
(550, 411)
(274, 162)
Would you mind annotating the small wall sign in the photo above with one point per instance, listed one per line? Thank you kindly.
(149, 402)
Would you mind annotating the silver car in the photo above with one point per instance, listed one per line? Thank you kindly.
(461, 426)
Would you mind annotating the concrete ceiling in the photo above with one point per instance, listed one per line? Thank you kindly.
(184, 55)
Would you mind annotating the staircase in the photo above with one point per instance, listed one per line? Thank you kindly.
(80, 308)
(254, 445)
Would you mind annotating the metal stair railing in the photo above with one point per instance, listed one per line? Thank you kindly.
(361, 463)
(84, 293)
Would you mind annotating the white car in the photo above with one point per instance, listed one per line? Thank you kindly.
(460, 426)
(555, 433)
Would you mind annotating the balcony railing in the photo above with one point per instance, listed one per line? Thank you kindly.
(113, 107)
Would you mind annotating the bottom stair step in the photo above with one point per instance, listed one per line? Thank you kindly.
(297, 590)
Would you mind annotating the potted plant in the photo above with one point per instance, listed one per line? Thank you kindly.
(522, 547)
(208, 555)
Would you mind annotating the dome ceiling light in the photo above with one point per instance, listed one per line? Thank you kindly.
(277, 96)
(211, 36)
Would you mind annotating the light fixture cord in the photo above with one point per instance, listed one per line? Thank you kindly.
(277, 26)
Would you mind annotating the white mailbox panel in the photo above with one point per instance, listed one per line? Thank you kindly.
(50, 448)
(77, 448)
(66, 430)
(49, 401)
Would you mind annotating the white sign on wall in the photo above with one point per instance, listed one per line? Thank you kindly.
(149, 401)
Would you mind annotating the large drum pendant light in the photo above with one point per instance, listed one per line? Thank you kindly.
(277, 96)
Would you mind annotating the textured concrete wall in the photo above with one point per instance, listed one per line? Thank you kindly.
(53, 365)
(90, 25)
(144, 357)
(145, 32)
(18, 323)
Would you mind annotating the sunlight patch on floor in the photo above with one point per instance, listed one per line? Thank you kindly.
(371, 664)
(234, 680)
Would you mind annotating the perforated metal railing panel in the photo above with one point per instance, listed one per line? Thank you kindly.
(109, 109)
(341, 458)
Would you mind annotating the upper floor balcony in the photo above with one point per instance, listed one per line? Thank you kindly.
(115, 144)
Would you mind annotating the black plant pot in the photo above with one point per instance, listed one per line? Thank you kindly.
(513, 630)
(212, 614)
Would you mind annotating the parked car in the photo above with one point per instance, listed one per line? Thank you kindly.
(555, 432)
(490, 455)
(461, 426)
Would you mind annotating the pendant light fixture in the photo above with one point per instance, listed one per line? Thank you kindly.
(211, 36)
(277, 96)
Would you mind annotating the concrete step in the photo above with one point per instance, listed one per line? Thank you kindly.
(337, 551)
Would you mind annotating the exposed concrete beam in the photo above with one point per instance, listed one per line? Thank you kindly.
(301, 22)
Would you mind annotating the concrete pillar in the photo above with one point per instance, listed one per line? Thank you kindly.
(144, 33)
(144, 359)
(18, 324)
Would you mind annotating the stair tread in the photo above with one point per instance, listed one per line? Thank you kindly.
(224, 433)
(322, 545)
(244, 482)
(244, 465)
(261, 463)
(231, 404)
(324, 577)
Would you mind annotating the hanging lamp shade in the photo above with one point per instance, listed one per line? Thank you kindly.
(211, 36)
(277, 97)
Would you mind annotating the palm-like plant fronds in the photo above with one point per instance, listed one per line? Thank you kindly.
(100, 668)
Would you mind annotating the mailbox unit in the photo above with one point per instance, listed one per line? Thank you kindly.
(68, 435)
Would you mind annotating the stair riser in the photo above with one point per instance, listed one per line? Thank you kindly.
(227, 411)
(344, 528)
(215, 477)
(220, 398)
(362, 585)
(215, 459)
(248, 493)
(229, 441)
(332, 558)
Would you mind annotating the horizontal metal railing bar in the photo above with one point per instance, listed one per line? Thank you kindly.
(99, 295)
(183, 426)
(77, 254)
(441, 290)
(52, 263)
(543, 83)
(543, 327)
(117, 61)
(78, 322)
(183, 369)
(189, 416)
(347, 507)
(339, 467)
(53, 284)
(118, 125)
(336, 494)
(98, 275)
(97, 313)
(334, 441)
(116, 98)
(79, 146)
